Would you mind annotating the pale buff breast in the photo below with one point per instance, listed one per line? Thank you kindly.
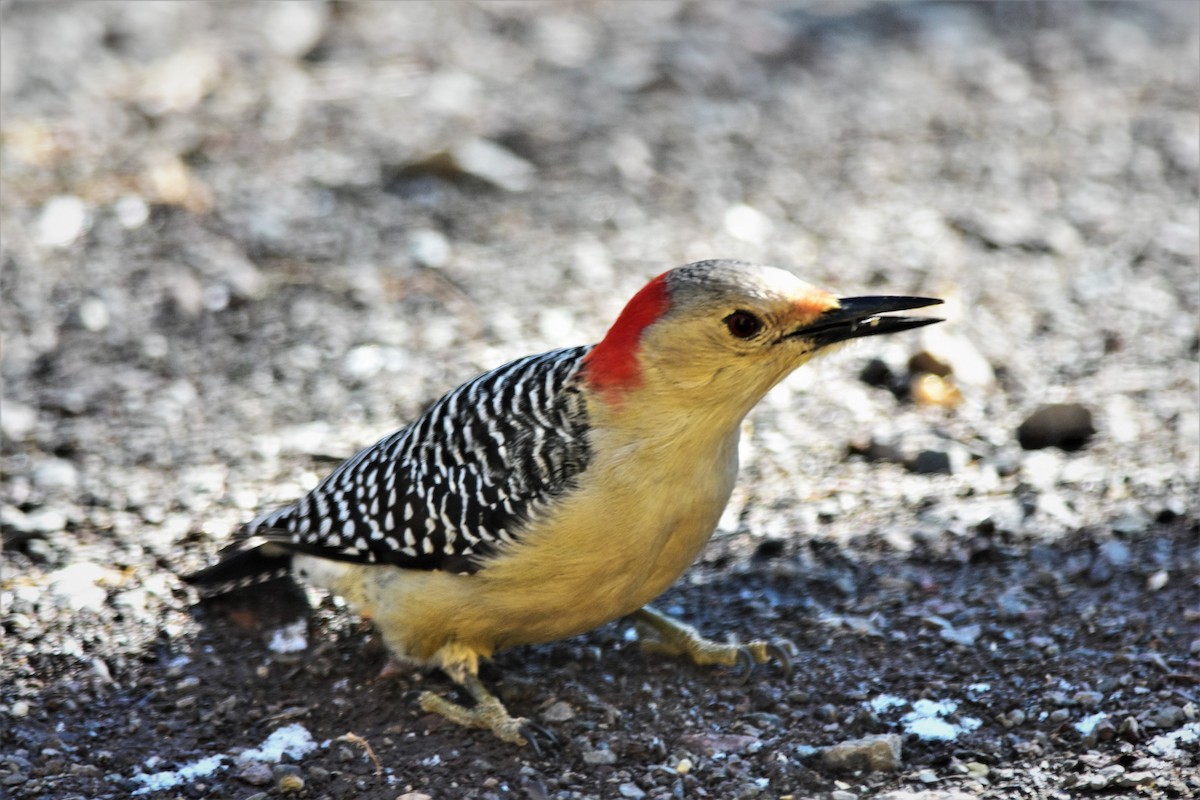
(605, 551)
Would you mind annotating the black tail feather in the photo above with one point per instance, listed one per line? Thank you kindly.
(246, 562)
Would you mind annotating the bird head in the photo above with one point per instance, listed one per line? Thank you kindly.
(725, 332)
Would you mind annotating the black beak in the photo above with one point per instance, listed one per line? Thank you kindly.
(859, 316)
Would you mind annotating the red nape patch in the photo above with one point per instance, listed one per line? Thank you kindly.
(612, 365)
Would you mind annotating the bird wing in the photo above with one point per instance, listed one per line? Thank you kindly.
(446, 490)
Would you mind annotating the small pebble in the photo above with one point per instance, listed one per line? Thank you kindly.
(1067, 426)
(429, 248)
(63, 220)
(255, 773)
(933, 390)
(720, 743)
(1104, 730)
(874, 753)
(925, 361)
(965, 636)
(946, 354)
(877, 373)
(77, 586)
(1130, 523)
(1132, 779)
(631, 790)
(56, 473)
(93, 314)
(488, 161)
(294, 29)
(1157, 581)
(931, 462)
(17, 419)
(1165, 717)
(1116, 552)
(599, 757)
(559, 712)
(290, 784)
(875, 450)
(747, 224)
(132, 212)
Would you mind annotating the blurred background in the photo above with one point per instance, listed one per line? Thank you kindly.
(241, 240)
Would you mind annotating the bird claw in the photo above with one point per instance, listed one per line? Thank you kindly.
(532, 731)
(780, 651)
(744, 668)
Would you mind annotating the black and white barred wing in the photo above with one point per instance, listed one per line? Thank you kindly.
(459, 481)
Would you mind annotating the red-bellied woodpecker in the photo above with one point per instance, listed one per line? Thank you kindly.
(562, 490)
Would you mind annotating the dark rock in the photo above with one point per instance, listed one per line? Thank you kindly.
(770, 548)
(931, 462)
(875, 450)
(1067, 426)
(877, 373)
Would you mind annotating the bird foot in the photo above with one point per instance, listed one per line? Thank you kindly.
(490, 714)
(671, 637)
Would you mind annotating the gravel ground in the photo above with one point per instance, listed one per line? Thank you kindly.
(242, 240)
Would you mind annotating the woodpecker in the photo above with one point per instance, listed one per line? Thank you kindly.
(562, 490)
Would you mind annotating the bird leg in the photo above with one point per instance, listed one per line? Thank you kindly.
(487, 713)
(671, 637)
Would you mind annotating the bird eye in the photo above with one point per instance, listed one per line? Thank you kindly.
(743, 324)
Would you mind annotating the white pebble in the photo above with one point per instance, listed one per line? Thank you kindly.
(93, 314)
(132, 212)
(429, 248)
(77, 586)
(497, 165)
(1157, 581)
(63, 220)
(290, 638)
(747, 224)
(364, 361)
(292, 29)
(55, 473)
(16, 419)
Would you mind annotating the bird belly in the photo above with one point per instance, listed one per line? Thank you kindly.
(603, 552)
